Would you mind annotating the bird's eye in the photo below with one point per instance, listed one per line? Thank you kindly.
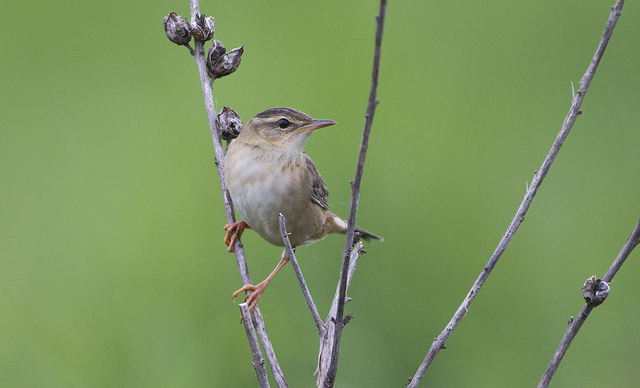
(283, 123)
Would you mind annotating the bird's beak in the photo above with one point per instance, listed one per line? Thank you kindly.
(317, 124)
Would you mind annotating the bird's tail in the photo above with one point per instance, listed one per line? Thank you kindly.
(368, 236)
(340, 226)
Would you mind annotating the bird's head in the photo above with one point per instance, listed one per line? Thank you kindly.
(282, 130)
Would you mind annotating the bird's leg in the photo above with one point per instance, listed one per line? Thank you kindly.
(258, 289)
(234, 231)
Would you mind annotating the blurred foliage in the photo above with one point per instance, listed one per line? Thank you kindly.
(112, 268)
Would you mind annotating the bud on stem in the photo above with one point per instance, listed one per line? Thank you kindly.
(177, 29)
(229, 124)
(202, 27)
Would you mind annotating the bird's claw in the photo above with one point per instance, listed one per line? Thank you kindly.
(251, 300)
(234, 232)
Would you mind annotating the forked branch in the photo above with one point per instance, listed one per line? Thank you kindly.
(538, 177)
(258, 361)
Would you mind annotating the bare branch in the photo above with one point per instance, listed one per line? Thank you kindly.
(355, 195)
(327, 335)
(632, 242)
(269, 352)
(298, 271)
(575, 325)
(539, 176)
(199, 56)
(326, 331)
(258, 361)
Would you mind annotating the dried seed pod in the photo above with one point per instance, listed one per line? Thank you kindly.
(229, 123)
(202, 27)
(595, 291)
(177, 29)
(225, 65)
(216, 52)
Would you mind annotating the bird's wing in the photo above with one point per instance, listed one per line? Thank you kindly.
(319, 190)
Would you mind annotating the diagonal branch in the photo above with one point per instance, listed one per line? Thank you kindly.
(258, 361)
(355, 197)
(305, 290)
(539, 176)
(632, 242)
(228, 206)
(329, 328)
(575, 325)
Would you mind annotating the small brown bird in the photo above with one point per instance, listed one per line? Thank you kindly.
(268, 172)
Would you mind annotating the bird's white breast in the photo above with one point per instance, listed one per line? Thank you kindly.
(260, 187)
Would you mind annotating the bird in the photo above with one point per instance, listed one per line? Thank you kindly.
(267, 172)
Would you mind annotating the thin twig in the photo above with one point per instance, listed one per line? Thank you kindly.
(258, 361)
(539, 176)
(269, 352)
(199, 56)
(632, 242)
(355, 196)
(298, 271)
(326, 337)
(576, 324)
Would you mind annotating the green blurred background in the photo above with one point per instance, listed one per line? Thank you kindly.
(113, 271)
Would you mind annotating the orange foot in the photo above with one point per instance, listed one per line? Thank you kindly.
(234, 232)
(252, 300)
